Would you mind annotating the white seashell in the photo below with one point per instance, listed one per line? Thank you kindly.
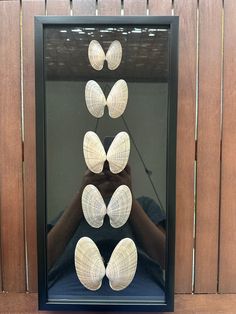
(122, 265)
(118, 209)
(117, 155)
(119, 206)
(116, 100)
(114, 55)
(95, 99)
(97, 56)
(89, 264)
(94, 153)
(93, 206)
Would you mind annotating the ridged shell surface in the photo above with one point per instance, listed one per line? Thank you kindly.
(117, 99)
(89, 264)
(94, 153)
(114, 55)
(122, 265)
(119, 206)
(96, 55)
(118, 152)
(93, 206)
(95, 99)
(118, 209)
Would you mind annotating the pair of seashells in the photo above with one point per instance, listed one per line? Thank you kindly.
(118, 209)
(97, 55)
(116, 100)
(117, 155)
(120, 269)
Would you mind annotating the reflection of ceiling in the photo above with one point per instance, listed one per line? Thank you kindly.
(145, 53)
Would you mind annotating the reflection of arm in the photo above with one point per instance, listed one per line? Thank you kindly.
(150, 236)
(61, 233)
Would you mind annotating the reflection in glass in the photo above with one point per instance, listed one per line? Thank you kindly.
(144, 66)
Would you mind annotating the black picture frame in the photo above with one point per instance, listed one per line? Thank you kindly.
(40, 23)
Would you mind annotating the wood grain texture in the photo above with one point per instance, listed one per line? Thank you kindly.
(11, 190)
(29, 10)
(227, 269)
(58, 7)
(84, 7)
(184, 304)
(135, 7)
(160, 7)
(187, 10)
(208, 148)
(109, 7)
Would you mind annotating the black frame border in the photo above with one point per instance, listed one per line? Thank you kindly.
(168, 21)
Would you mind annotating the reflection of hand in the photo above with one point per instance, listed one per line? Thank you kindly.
(106, 181)
(113, 181)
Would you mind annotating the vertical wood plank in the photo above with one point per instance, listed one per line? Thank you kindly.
(208, 148)
(187, 10)
(30, 8)
(12, 216)
(109, 7)
(58, 7)
(84, 7)
(160, 7)
(135, 7)
(227, 269)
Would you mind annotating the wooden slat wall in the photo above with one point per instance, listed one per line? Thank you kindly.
(11, 197)
(208, 148)
(204, 69)
(30, 8)
(227, 269)
(187, 10)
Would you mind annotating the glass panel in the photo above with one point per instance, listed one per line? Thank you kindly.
(144, 67)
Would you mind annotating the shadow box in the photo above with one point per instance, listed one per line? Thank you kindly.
(106, 114)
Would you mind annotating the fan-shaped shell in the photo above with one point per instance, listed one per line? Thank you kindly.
(114, 55)
(93, 206)
(117, 99)
(94, 153)
(119, 206)
(122, 265)
(89, 264)
(96, 55)
(95, 99)
(118, 152)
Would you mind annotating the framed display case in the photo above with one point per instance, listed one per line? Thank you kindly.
(106, 115)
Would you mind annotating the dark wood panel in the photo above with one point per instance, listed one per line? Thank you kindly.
(84, 7)
(160, 7)
(187, 11)
(109, 7)
(11, 190)
(227, 274)
(184, 304)
(58, 7)
(135, 7)
(208, 148)
(30, 8)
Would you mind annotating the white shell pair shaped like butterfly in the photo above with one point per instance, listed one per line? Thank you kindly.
(118, 209)
(97, 55)
(116, 100)
(120, 269)
(117, 155)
